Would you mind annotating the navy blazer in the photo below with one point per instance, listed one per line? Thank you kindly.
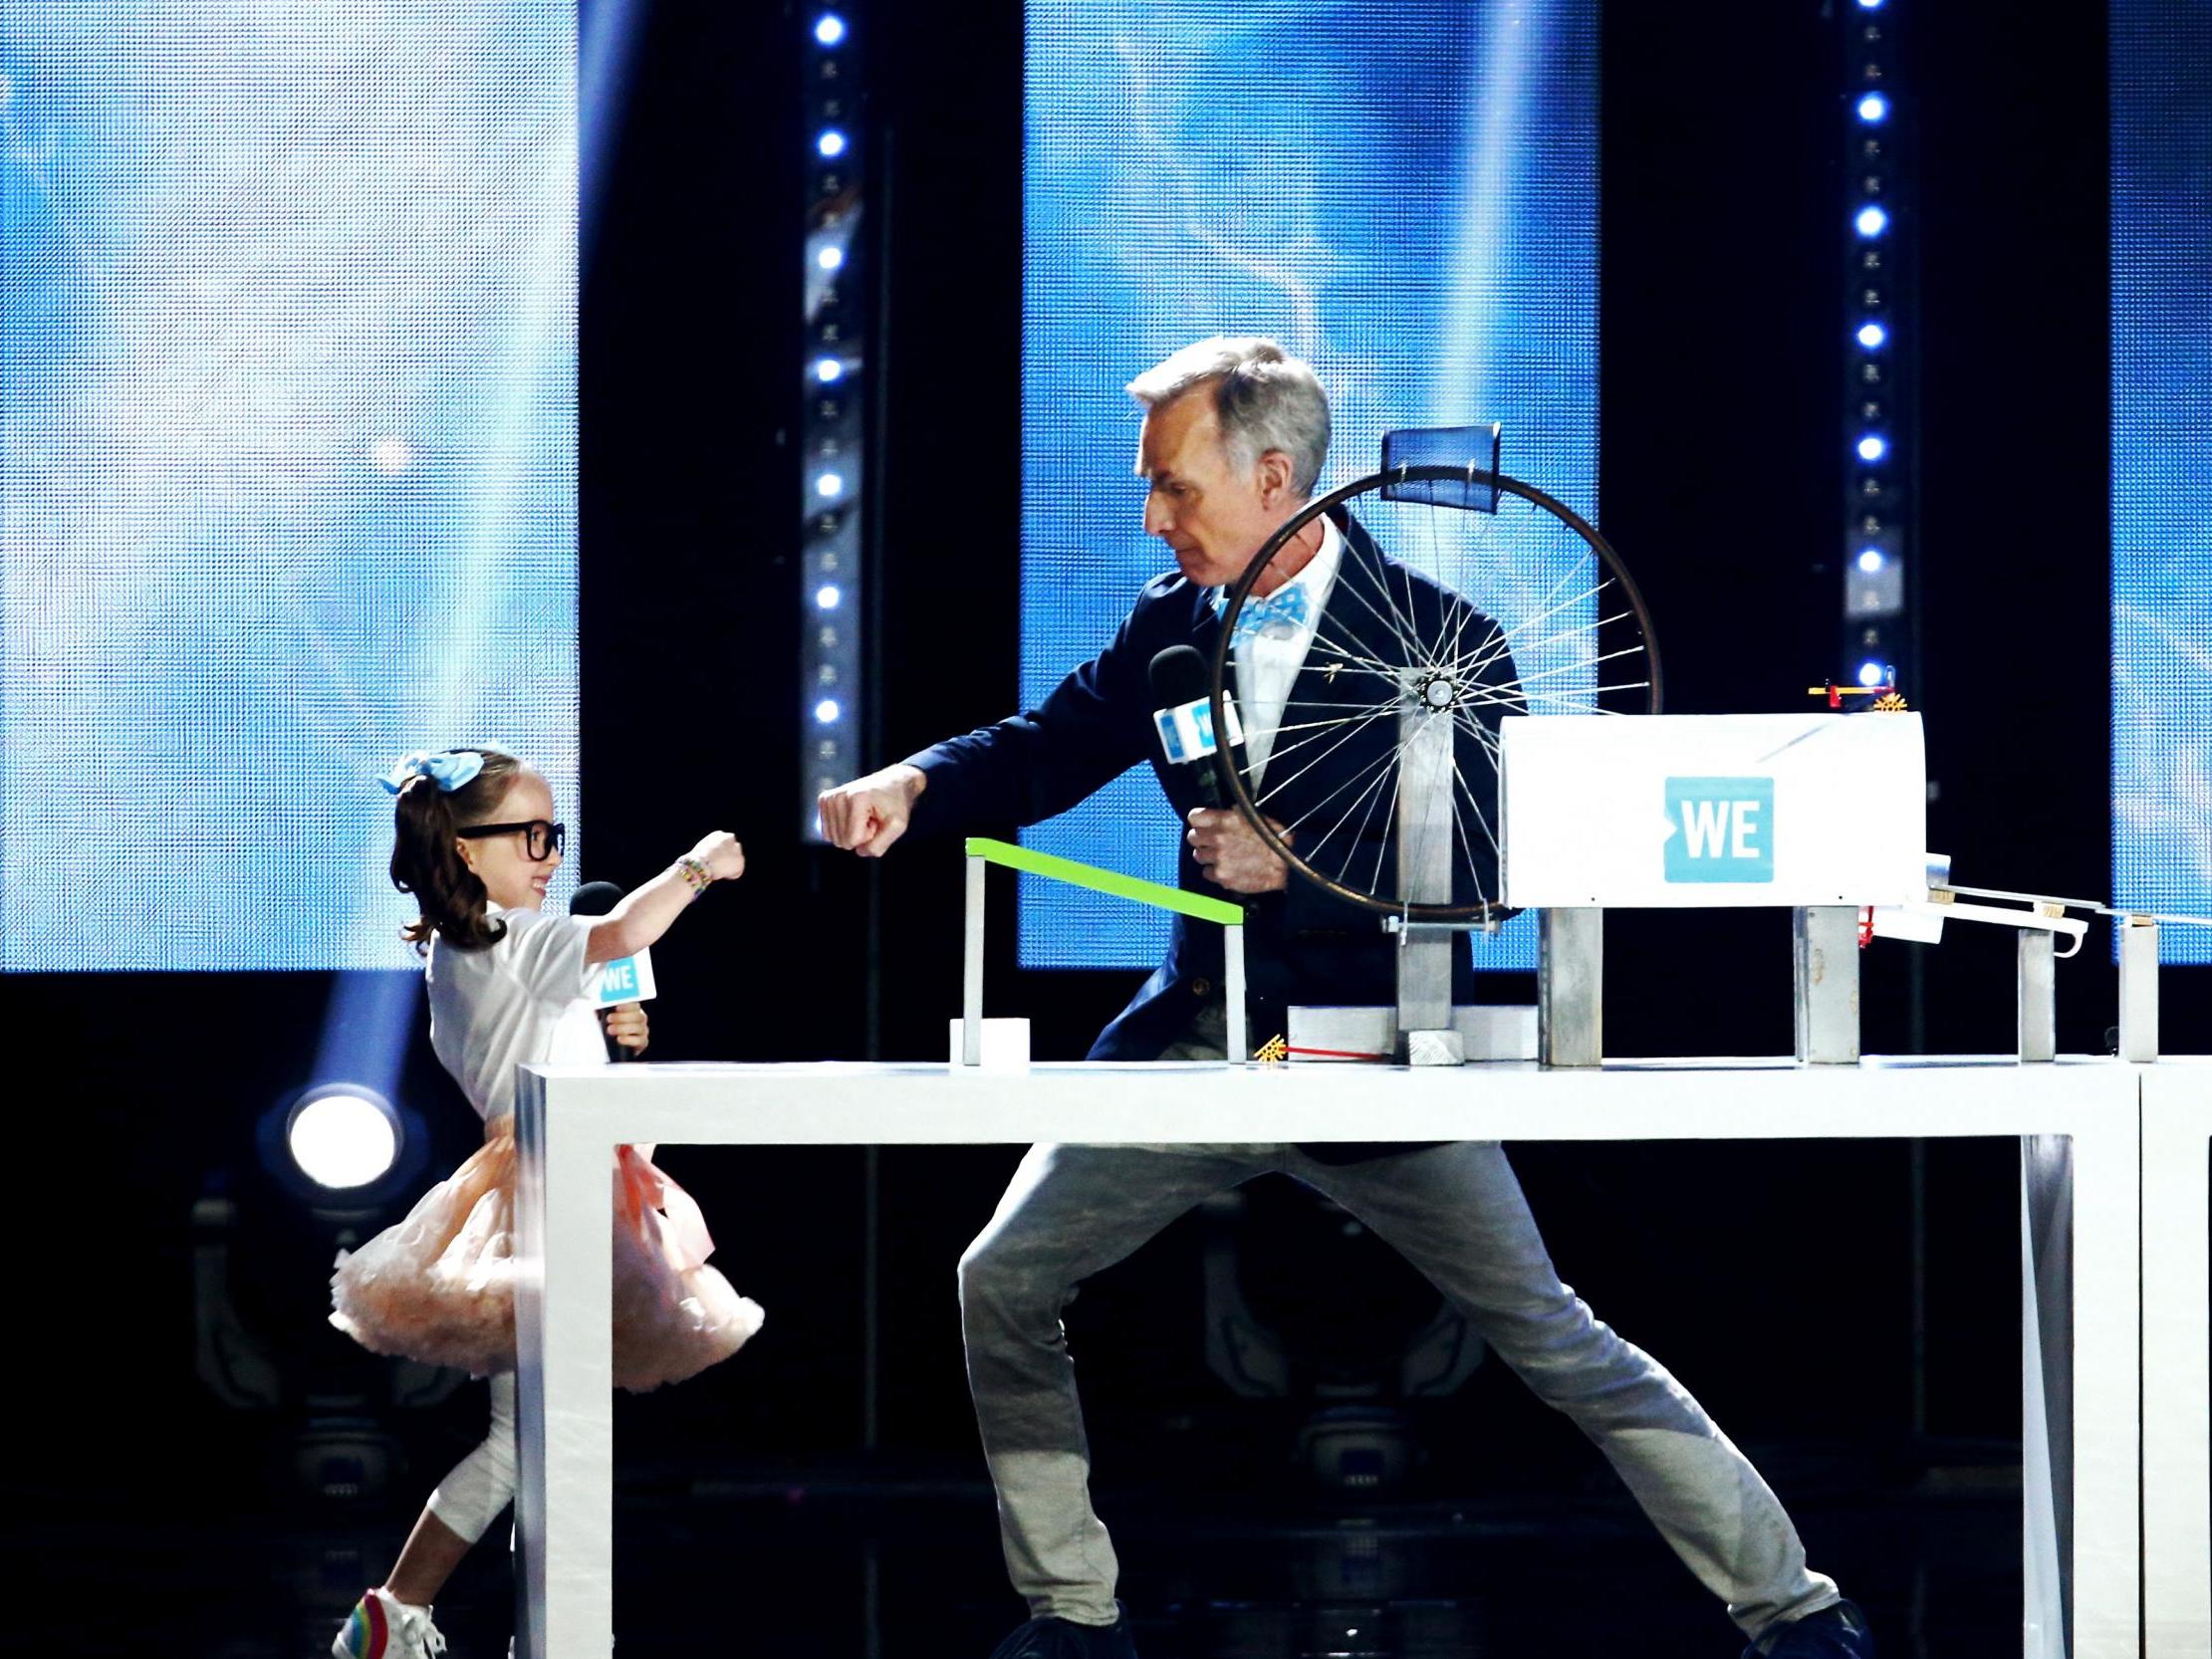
(1303, 945)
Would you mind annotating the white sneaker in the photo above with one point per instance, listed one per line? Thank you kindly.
(381, 1626)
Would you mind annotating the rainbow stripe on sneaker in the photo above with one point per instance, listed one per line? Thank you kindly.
(366, 1635)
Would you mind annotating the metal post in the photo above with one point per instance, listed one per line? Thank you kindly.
(971, 968)
(2138, 988)
(1239, 1046)
(1424, 829)
(1569, 988)
(2038, 994)
(1825, 969)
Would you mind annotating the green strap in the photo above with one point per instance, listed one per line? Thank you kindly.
(1134, 889)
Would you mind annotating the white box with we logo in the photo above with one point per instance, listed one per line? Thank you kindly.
(1701, 811)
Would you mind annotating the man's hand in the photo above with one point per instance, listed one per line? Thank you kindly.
(1231, 852)
(626, 1023)
(870, 813)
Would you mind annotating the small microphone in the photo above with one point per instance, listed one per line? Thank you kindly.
(1184, 719)
(627, 979)
(594, 899)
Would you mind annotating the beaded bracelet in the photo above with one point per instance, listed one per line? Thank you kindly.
(695, 875)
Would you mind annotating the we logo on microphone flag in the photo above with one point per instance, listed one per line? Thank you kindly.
(627, 979)
(1186, 730)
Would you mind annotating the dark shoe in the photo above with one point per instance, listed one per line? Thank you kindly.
(1056, 1638)
(1837, 1632)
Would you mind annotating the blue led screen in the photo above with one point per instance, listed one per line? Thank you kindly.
(2162, 469)
(287, 439)
(1403, 192)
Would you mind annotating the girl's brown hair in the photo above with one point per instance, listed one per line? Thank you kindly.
(426, 862)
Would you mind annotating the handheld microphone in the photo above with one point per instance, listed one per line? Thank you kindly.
(1184, 719)
(627, 979)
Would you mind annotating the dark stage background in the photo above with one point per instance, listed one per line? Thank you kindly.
(1777, 1281)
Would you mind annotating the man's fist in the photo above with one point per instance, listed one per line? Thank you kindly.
(1231, 852)
(868, 814)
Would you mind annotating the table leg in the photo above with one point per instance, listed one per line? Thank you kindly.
(2177, 1362)
(566, 1495)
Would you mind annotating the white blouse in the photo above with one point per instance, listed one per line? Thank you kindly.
(513, 1001)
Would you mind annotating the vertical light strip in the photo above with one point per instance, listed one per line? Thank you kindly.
(831, 436)
(1879, 342)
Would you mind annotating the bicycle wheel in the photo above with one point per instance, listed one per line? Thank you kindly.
(1460, 597)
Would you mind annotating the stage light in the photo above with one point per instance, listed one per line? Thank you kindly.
(1871, 447)
(831, 258)
(1872, 221)
(343, 1136)
(1869, 560)
(825, 598)
(826, 369)
(1871, 673)
(828, 29)
(1874, 108)
(1873, 335)
(831, 143)
(828, 485)
(827, 711)
(1870, 5)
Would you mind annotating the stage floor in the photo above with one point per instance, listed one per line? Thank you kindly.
(850, 1567)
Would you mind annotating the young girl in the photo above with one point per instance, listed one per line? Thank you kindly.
(477, 843)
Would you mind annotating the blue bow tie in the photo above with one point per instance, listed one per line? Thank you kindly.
(1281, 613)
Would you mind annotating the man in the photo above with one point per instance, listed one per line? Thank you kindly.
(1232, 439)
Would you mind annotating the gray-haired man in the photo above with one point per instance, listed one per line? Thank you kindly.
(1234, 434)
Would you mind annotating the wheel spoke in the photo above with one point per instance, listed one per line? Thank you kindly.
(1520, 611)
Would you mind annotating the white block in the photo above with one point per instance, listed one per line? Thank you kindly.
(1486, 1031)
(1701, 812)
(1005, 1044)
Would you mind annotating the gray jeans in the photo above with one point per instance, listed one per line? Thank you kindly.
(1458, 1215)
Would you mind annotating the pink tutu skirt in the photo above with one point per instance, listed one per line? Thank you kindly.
(440, 1287)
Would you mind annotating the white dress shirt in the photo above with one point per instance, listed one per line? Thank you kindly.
(1267, 666)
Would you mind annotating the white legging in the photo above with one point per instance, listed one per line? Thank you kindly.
(482, 1483)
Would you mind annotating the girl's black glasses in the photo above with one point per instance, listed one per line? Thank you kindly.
(540, 840)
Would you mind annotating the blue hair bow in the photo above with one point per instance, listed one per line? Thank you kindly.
(453, 769)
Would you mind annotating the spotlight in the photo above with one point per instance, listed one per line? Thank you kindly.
(1873, 335)
(1869, 560)
(825, 598)
(831, 143)
(1872, 221)
(1871, 447)
(827, 711)
(1871, 673)
(343, 1136)
(826, 369)
(828, 485)
(1870, 5)
(831, 258)
(1874, 108)
(828, 29)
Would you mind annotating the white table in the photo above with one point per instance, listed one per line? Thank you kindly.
(2177, 1359)
(570, 1119)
